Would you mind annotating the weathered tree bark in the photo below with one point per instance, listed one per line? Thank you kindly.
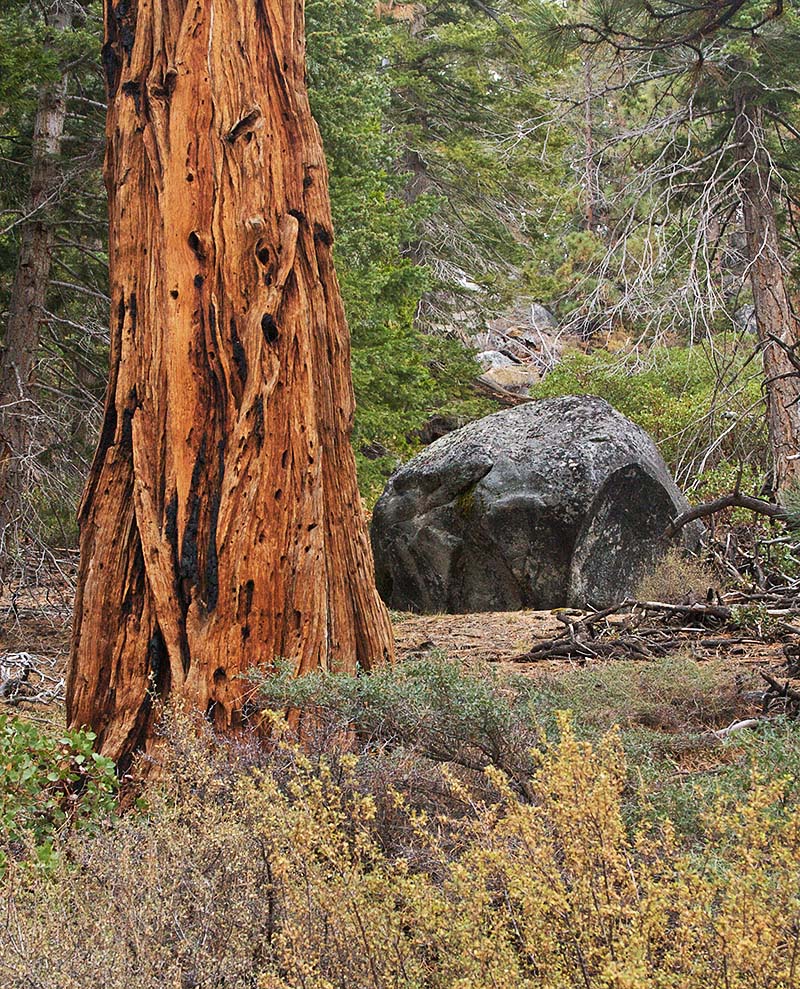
(28, 296)
(773, 311)
(221, 527)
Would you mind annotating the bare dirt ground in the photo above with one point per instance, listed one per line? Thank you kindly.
(502, 637)
(37, 620)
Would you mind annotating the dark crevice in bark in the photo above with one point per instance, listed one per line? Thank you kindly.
(188, 569)
(239, 355)
(258, 422)
(212, 560)
(158, 663)
(269, 328)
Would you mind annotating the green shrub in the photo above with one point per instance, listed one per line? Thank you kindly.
(686, 404)
(430, 706)
(48, 784)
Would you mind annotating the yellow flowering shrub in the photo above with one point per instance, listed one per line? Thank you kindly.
(273, 873)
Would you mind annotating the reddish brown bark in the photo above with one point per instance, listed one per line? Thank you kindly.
(221, 527)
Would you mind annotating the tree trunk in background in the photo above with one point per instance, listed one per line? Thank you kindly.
(221, 527)
(774, 316)
(591, 177)
(28, 296)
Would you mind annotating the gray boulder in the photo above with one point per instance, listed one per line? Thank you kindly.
(552, 503)
(493, 358)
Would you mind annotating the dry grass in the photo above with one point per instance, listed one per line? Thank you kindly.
(676, 578)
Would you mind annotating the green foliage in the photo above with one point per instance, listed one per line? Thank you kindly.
(430, 706)
(686, 398)
(655, 97)
(401, 376)
(48, 785)
(466, 92)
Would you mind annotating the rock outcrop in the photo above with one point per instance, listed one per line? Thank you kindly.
(553, 503)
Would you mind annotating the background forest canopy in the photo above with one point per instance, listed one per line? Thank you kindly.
(585, 155)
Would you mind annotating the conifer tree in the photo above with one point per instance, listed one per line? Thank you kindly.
(221, 527)
(717, 145)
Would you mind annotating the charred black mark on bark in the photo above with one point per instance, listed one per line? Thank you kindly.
(133, 312)
(258, 423)
(188, 569)
(261, 15)
(212, 326)
(134, 90)
(269, 328)
(174, 293)
(239, 355)
(158, 662)
(244, 125)
(262, 253)
(322, 235)
(196, 246)
(308, 180)
(171, 523)
(246, 607)
(171, 533)
(121, 315)
(198, 281)
(126, 434)
(109, 429)
(125, 17)
(299, 215)
(126, 439)
(220, 676)
(212, 558)
(112, 65)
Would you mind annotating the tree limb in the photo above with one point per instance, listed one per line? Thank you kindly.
(733, 500)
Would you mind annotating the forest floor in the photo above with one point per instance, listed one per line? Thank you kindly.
(37, 621)
(504, 637)
(41, 625)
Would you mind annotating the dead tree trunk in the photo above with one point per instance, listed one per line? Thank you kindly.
(773, 311)
(28, 296)
(221, 527)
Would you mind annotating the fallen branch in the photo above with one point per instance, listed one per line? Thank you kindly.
(637, 632)
(733, 500)
(23, 680)
(737, 726)
(781, 691)
(485, 386)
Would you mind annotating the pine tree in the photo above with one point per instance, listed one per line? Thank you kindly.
(713, 142)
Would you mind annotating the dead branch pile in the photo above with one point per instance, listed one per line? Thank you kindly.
(649, 629)
(29, 679)
(780, 698)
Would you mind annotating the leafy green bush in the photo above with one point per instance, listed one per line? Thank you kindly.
(703, 409)
(48, 784)
(431, 706)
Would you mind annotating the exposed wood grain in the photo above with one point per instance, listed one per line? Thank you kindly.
(221, 526)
